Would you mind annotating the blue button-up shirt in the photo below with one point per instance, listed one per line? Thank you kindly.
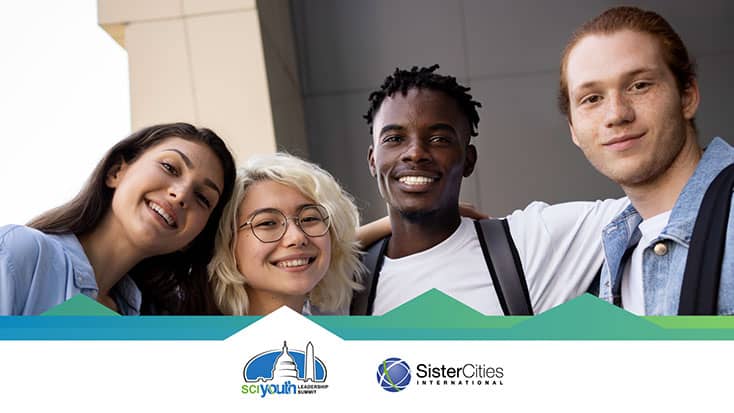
(39, 271)
(663, 274)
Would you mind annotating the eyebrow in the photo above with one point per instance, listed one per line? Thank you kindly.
(391, 128)
(298, 208)
(442, 126)
(435, 127)
(208, 182)
(633, 73)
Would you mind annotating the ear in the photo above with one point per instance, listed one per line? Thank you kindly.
(371, 161)
(470, 160)
(690, 99)
(115, 174)
(573, 134)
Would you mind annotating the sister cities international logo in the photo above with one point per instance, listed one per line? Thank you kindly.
(468, 374)
(394, 375)
(284, 372)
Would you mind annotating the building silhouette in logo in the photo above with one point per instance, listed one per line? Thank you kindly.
(285, 365)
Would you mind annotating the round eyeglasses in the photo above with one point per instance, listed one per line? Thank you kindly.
(269, 225)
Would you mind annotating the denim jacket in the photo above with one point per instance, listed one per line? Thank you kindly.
(664, 261)
(39, 271)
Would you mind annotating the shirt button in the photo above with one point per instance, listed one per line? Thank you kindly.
(660, 249)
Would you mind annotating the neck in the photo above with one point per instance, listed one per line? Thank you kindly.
(412, 235)
(660, 193)
(109, 254)
(264, 302)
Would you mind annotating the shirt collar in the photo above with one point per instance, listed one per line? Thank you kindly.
(126, 293)
(128, 296)
(83, 272)
(717, 156)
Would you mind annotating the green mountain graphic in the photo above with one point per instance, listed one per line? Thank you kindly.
(435, 309)
(80, 304)
(586, 318)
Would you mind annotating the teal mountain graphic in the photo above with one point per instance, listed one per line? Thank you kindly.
(80, 304)
(437, 316)
(586, 318)
(434, 309)
(431, 316)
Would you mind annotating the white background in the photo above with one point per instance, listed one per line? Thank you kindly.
(64, 100)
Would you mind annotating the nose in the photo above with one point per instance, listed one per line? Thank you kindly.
(416, 151)
(293, 236)
(179, 193)
(619, 110)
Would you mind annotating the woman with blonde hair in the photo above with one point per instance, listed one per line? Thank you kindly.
(287, 237)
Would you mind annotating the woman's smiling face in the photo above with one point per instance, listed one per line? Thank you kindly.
(164, 198)
(287, 269)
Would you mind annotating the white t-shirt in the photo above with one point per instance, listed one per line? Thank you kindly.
(455, 266)
(633, 293)
(559, 247)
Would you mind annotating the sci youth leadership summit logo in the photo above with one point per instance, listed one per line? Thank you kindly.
(393, 374)
(284, 372)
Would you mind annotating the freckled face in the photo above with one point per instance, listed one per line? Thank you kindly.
(163, 199)
(626, 112)
(290, 267)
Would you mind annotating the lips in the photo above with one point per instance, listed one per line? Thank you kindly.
(623, 142)
(291, 263)
(165, 212)
(415, 179)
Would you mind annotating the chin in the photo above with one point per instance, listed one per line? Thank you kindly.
(634, 175)
(297, 291)
(303, 284)
(415, 213)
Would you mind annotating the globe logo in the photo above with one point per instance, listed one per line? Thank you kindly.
(393, 374)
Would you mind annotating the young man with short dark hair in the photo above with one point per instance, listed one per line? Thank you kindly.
(422, 124)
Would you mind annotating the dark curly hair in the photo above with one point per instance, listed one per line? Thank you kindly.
(424, 78)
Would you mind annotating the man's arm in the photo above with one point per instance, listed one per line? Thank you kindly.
(560, 247)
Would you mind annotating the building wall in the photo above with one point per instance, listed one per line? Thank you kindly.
(508, 52)
(229, 65)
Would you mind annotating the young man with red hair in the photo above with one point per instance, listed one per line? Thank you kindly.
(628, 88)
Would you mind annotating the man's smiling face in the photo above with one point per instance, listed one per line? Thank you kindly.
(420, 152)
(626, 112)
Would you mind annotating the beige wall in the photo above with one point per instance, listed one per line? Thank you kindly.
(203, 61)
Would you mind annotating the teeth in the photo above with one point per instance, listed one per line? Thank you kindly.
(162, 213)
(293, 263)
(415, 180)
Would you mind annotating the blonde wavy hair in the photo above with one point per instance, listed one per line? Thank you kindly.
(334, 291)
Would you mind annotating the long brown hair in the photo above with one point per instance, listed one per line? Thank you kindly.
(174, 283)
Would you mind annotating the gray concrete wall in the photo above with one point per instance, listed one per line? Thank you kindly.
(508, 52)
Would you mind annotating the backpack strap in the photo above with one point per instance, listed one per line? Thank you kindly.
(595, 285)
(362, 301)
(504, 265)
(699, 293)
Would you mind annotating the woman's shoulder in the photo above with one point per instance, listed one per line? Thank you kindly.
(30, 264)
(14, 236)
(28, 244)
(21, 238)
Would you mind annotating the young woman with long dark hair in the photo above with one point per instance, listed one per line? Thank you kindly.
(138, 236)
